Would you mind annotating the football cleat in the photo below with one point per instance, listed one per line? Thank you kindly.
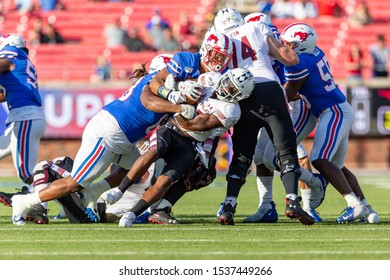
(143, 218)
(18, 220)
(6, 198)
(318, 193)
(162, 217)
(264, 215)
(227, 215)
(295, 211)
(220, 210)
(38, 215)
(93, 214)
(315, 215)
(350, 214)
(372, 217)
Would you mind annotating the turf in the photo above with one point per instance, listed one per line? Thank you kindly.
(200, 237)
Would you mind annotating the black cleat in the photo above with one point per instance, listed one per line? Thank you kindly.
(162, 217)
(227, 216)
(6, 198)
(38, 215)
(295, 211)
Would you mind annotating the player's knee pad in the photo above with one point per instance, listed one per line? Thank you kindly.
(288, 161)
(238, 168)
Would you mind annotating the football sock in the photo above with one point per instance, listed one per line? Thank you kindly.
(306, 194)
(264, 187)
(231, 200)
(352, 199)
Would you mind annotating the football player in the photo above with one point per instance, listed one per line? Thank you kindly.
(255, 49)
(109, 137)
(179, 140)
(313, 79)
(26, 122)
(311, 196)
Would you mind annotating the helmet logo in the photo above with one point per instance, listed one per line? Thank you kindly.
(212, 37)
(255, 18)
(166, 59)
(302, 35)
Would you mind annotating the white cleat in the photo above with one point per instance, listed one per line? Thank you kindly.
(18, 220)
(350, 214)
(20, 207)
(372, 216)
(127, 219)
(257, 216)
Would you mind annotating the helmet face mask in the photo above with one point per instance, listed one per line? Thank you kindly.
(300, 37)
(12, 39)
(227, 19)
(217, 51)
(235, 85)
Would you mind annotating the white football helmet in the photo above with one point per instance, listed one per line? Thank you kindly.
(206, 35)
(300, 36)
(159, 62)
(217, 51)
(12, 39)
(227, 19)
(260, 17)
(235, 85)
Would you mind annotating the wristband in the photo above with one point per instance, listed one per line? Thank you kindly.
(163, 92)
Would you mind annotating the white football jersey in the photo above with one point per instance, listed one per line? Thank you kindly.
(251, 51)
(227, 113)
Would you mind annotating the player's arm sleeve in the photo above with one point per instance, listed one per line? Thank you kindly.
(284, 54)
(156, 104)
(295, 76)
(201, 122)
(158, 81)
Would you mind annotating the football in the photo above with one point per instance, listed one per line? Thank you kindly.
(191, 101)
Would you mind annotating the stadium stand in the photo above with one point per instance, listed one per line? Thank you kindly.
(82, 23)
(335, 34)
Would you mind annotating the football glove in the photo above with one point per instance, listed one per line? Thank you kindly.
(191, 89)
(127, 219)
(188, 111)
(176, 97)
(111, 196)
(170, 82)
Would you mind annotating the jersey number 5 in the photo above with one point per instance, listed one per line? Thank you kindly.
(323, 68)
(32, 74)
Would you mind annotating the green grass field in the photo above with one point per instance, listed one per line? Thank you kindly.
(200, 237)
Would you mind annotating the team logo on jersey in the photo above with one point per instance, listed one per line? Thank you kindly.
(303, 35)
(188, 70)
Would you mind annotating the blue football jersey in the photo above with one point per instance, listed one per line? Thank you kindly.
(20, 84)
(320, 91)
(133, 118)
(184, 65)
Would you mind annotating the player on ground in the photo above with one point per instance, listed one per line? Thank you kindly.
(109, 137)
(218, 112)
